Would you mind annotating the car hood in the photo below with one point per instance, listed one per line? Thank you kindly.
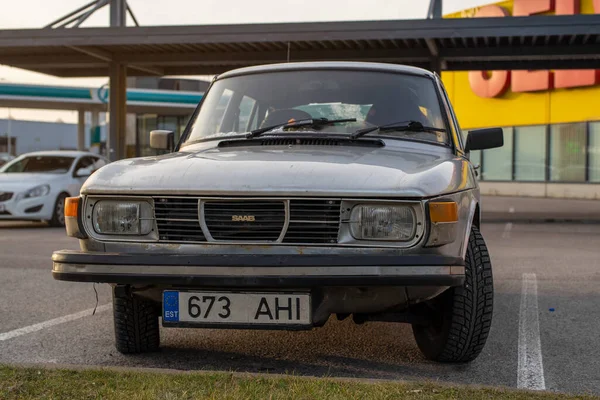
(17, 182)
(288, 171)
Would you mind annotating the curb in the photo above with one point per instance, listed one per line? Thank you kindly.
(529, 219)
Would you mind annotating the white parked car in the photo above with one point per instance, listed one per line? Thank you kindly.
(34, 186)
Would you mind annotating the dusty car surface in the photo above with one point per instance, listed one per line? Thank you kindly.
(297, 192)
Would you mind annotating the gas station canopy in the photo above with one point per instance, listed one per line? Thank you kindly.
(538, 42)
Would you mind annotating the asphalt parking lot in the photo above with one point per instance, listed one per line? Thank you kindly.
(545, 328)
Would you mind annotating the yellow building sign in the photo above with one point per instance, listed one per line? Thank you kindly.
(518, 98)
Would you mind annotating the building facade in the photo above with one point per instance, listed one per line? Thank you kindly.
(551, 119)
(28, 136)
(153, 103)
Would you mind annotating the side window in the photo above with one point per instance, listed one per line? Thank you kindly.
(98, 163)
(247, 110)
(84, 162)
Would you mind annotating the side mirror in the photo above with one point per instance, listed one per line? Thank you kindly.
(482, 139)
(83, 173)
(161, 139)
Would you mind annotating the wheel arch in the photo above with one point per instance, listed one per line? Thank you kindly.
(476, 219)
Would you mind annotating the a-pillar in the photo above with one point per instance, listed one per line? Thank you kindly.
(117, 105)
(80, 130)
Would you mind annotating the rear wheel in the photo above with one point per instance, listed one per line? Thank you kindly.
(462, 315)
(58, 214)
(136, 324)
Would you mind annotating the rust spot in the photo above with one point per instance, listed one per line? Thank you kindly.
(301, 249)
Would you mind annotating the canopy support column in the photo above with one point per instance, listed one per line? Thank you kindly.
(80, 130)
(117, 106)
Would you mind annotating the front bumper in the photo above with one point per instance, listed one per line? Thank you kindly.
(258, 270)
(37, 208)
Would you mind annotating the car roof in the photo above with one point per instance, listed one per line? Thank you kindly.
(348, 65)
(63, 153)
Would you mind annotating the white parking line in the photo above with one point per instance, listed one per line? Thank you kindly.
(507, 229)
(530, 374)
(47, 324)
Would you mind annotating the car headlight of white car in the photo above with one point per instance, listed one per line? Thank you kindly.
(38, 191)
(383, 222)
(122, 217)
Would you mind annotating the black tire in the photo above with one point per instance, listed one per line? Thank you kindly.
(58, 213)
(136, 324)
(462, 315)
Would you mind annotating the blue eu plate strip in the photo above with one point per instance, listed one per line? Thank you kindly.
(171, 306)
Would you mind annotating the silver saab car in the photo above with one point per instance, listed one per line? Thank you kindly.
(297, 192)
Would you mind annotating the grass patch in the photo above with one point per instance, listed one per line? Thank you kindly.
(42, 383)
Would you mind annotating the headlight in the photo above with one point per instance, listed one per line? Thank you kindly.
(37, 191)
(382, 222)
(114, 217)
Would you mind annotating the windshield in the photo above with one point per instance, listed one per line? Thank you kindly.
(243, 103)
(39, 164)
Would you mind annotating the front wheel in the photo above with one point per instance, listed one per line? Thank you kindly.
(136, 324)
(58, 214)
(462, 316)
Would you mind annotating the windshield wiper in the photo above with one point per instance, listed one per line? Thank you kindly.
(403, 126)
(303, 122)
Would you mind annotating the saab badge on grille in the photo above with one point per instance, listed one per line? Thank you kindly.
(243, 218)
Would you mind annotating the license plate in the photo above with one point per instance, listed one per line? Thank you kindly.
(236, 308)
(2, 208)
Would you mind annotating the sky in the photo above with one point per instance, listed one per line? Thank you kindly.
(25, 14)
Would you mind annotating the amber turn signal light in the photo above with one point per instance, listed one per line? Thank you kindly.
(443, 211)
(71, 206)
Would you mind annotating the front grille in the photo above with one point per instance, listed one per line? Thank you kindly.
(313, 221)
(310, 221)
(245, 220)
(6, 196)
(177, 220)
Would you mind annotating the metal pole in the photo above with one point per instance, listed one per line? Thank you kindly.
(50, 25)
(135, 21)
(118, 13)
(82, 18)
(435, 9)
(117, 103)
(81, 130)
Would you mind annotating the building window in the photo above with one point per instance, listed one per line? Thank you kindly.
(530, 153)
(497, 163)
(594, 152)
(568, 152)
